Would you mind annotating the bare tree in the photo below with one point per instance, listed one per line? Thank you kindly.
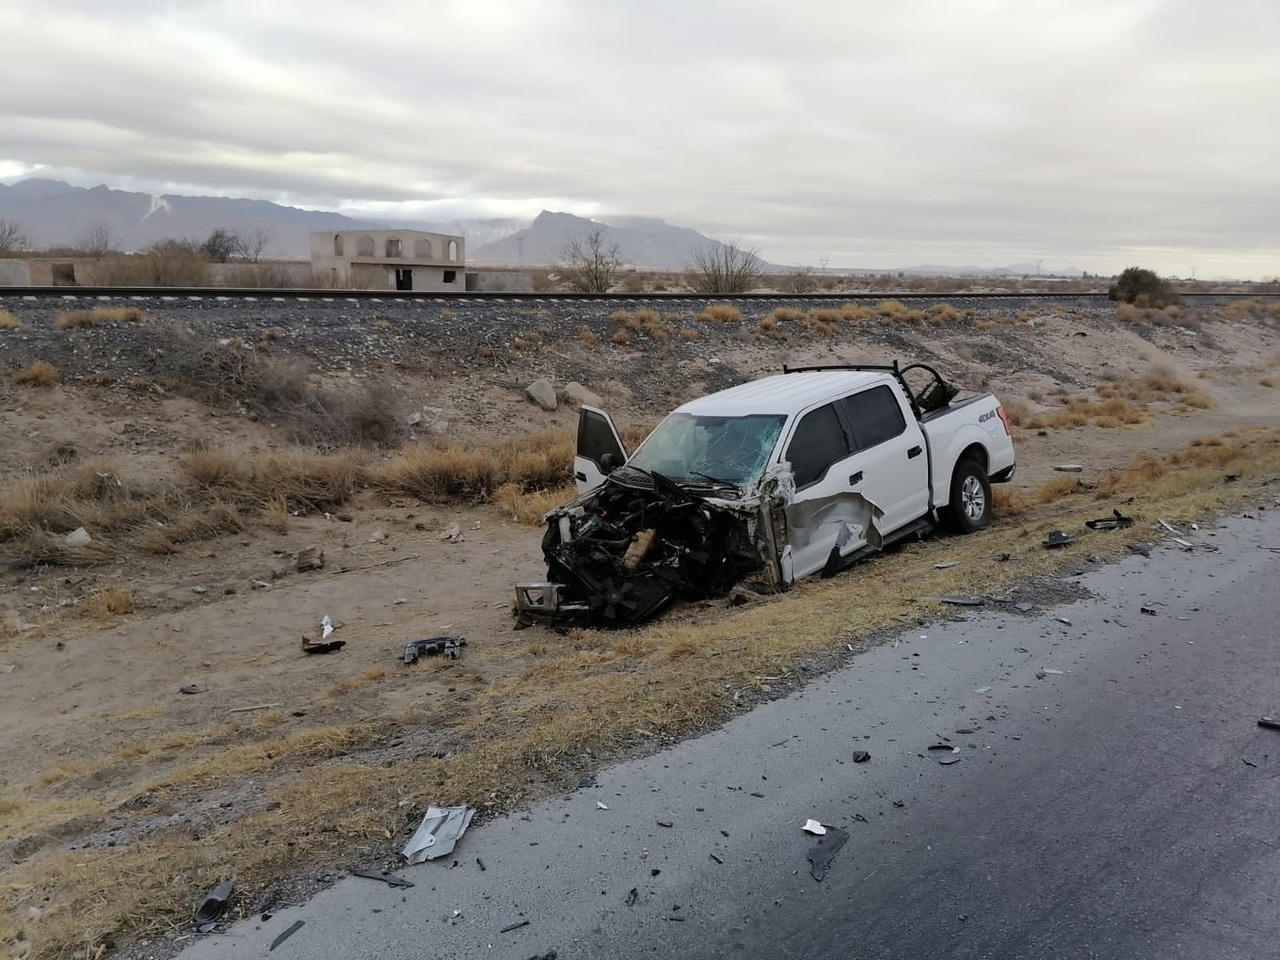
(96, 242)
(590, 264)
(11, 236)
(220, 246)
(726, 267)
(249, 246)
(800, 280)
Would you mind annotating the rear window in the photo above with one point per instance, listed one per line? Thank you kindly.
(875, 416)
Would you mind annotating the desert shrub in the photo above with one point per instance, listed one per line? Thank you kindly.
(943, 313)
(720, 313)
(621, 336)
(892, 309)
(8, 321)
(80, 319)
(1143, 288)
(39, 373)
(587, 337)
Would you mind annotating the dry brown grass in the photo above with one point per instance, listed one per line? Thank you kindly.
(941, 313)
(587, 337)
(720, 313)
(38, 373)
(621, 336)
(531, 506)
(9, 321)
(107, 603)
(1122, 403)
(892, 310)
(525, 731)
(1266, 382)
(688, 333)
(94, 316)
(984, 324)
(785, 315)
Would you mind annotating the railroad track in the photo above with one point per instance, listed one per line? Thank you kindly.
(255, 293)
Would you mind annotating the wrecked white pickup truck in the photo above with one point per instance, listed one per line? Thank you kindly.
(780, 478)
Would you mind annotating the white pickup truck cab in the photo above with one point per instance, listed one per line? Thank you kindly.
(776, 479)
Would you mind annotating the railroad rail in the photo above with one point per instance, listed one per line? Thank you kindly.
(260, 293)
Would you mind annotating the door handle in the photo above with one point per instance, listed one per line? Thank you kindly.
(855, 479)
(914, 452)
(579, 475)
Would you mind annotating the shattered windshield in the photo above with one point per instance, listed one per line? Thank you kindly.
(698, 449)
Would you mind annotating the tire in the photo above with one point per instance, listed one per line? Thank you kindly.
(969, 509)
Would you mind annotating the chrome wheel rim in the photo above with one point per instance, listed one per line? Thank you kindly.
(972, 499)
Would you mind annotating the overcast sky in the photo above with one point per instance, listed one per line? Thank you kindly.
(1097, 134)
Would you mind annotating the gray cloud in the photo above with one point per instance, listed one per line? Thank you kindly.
(1089, 132)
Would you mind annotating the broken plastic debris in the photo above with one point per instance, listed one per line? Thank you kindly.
(79, 537)
(1050, 670)
(1063, 620)
(814, 827)
(1117, 521)
(1057, 538)
(1002, 557)
(961, 601)
(453, 533)
(1172, 529)
(191, 688)
(1024, 606)
(213, 903)
(982, 690)
(389, 879)
(438, 833)
(861, 756)
(1269, 723)
(450, 646)
(600, 805)
(326, 627)
(310, 558)
(946, 564)
(824, 851)
(1149, 611)
(293, 928)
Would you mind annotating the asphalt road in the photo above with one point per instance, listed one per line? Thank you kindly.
(1126, 807)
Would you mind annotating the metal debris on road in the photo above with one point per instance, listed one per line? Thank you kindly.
(514, 926)
(1269, 723)
(293, 928)
(450, 646)
(601, 805)
(961, 601)
(946, 564)
(861, 756)
(1149, 611)
(191, 688)
(453, 533)
(824, 851)
(324, 644)
(1248, 762)
(814, 827)
(438, 833)
(632, 896)
(1063, 620)
(389, 879)
(1174, 530)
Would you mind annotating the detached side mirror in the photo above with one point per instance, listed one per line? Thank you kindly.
(610, 462)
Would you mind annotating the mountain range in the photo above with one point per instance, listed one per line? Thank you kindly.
(53, 214)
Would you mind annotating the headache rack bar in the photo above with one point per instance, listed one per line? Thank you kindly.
(894, 368)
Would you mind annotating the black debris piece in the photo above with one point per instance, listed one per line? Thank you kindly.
(389, 879)
(1057, 539)
(514, 926)
(1117, 521)
(480, 864)
(861, 756)
(715, 858)
(665, 823)
(213, 903)
(1002, 557)
(632, 896)
(450, 646)
(321, 646)
(1248, 762)
(943, 746)
(1149, 611)
(962, 601)
(293, 928)
(549, 955)
(824, 851)
(191, 688)
(1269, 723)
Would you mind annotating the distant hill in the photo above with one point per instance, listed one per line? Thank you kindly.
(57, 214)
(641, 241)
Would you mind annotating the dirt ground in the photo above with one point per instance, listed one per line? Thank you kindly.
(93, 708)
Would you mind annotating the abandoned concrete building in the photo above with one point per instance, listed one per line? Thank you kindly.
(390, 259)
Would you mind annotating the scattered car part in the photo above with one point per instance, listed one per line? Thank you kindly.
(321, 646)
(309, 558)
(1269, 723)
(814, 827)
(514, 926)
(286, 934)
(450, 646)
(438, 833)
(213, 903)
(191, 688)
(961, 601)
(861, 756)
(824, 851)
(1117, 521)
(389, 879)
(1057, 538)
(1149, 611)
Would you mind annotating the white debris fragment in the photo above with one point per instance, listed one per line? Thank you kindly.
(326, 627)
(601, 806)
(814, 827)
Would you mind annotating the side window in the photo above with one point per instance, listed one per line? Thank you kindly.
(875, 416)
(818, 442)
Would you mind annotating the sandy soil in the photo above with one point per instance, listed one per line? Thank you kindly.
(226, 616)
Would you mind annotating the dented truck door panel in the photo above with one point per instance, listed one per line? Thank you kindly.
(825, 512)
(600, 450)
(891, 458)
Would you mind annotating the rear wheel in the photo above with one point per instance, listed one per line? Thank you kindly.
(970, 506)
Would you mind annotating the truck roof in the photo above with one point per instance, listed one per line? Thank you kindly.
(783, 393)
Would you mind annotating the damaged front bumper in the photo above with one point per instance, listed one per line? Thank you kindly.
(619, 554)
